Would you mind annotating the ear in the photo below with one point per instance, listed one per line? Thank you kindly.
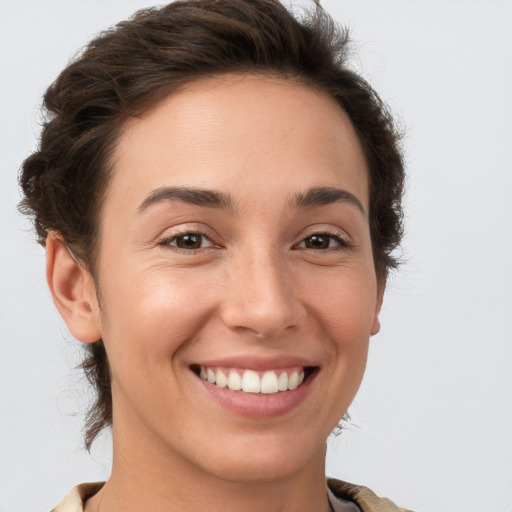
(72, 289)
(381, 286)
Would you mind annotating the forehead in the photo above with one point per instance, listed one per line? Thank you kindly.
(246, 132)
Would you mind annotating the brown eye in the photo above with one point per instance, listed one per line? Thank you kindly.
(317, 242)
(188, 241)
(323, 242)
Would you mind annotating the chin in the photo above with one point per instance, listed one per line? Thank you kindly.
(256, 472)
(262, 461)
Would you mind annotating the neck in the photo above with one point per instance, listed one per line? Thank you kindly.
(153, 478)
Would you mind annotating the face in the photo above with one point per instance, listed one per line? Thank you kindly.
(235, 252)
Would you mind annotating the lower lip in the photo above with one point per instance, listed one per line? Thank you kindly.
(258, 405)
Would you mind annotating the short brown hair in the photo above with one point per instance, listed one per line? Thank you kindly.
(131, 67)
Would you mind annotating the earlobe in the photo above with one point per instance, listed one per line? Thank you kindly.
(376, 325)
(72, 289)
(381, 286)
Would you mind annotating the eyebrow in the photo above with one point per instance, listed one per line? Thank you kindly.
(197, 196)
(321, 196)
(317, 196)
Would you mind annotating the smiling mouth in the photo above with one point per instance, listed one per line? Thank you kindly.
(256, 382)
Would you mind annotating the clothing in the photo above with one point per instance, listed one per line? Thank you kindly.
(344, 497)
(75, 500)
(365, 499)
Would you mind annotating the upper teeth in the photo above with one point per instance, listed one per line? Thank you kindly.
(250, 381)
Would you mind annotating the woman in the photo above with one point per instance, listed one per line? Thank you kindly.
(219, 197)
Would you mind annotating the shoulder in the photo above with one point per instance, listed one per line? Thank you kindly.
(365, 499)
(74, 501)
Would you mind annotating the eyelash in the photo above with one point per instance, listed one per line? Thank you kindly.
(341, 241)
(172, 241)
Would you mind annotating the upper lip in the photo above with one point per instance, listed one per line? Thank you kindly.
(257, 363)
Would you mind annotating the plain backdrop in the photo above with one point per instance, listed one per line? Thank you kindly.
(432, 424)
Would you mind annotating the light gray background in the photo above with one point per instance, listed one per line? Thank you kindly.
(432, 422)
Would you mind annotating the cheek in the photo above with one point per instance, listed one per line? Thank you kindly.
(345, 312)
(345, 302)
(150, 319)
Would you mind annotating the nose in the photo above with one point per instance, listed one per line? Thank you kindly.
(261, 299)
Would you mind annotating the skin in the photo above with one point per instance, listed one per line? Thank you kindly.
(255, 287)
